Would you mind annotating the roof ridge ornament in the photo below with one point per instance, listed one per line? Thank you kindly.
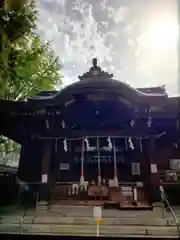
(95, 71)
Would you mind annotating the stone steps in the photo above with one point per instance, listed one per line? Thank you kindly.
(79, 221)
(50, 218)
(90, 230)
(87, 211)
(104, 221)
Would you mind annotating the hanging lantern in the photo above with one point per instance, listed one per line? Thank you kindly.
(65, 145)
(149, 122)
(131, 145)
(109, 142)
(132, 123)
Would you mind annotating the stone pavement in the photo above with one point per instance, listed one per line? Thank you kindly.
(79, 221)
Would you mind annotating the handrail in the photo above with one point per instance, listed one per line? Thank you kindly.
(25, 213)
(171, 210)
(22, 218)
(35, 214)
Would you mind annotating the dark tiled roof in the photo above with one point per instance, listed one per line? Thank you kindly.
(153, 90)
(92, 81)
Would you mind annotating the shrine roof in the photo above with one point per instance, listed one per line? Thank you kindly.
(95, 80)
(145, 92)
(153, 90)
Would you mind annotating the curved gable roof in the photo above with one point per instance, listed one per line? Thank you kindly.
(95, 80)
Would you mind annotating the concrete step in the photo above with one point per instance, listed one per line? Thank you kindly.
(90, 230)
(58, 219)
(105, 221)
(15, 219)
(87, 211)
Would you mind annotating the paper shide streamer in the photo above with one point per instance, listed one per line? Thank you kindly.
(131, 145)
(65, 145)
(109, 143)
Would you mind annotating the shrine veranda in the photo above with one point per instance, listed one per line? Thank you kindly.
(98, 141)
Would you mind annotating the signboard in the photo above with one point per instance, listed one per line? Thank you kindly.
(127, 191)
(135, 168)
(97, 213)
(174, 164)
(112, 183)
(64, 166)
(44, 178)
(153, 168)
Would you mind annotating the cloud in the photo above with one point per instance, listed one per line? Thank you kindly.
(120, 14)
(109, 30)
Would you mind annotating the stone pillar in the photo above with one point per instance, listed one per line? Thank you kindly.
(45, 170)
(154, 173)
(159, 210)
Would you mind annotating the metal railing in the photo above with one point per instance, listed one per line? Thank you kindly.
(27, 204)
(25, 214)
(164, 198)
(35, 209)
(22, 218)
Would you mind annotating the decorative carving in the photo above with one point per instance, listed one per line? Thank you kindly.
(95, 71)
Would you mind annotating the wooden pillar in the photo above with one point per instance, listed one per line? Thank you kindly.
(53, 166)
(45, 172)
(144, 171)
(143, 162)
(29, 169)
(154, 172)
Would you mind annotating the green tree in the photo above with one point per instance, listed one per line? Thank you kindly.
(27, 64)
(32, 66)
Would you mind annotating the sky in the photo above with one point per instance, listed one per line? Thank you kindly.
(136, 40)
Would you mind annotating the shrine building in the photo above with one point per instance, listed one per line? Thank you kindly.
(97, 141)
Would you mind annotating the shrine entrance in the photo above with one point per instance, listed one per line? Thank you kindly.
(99, 171)
(95, 159)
